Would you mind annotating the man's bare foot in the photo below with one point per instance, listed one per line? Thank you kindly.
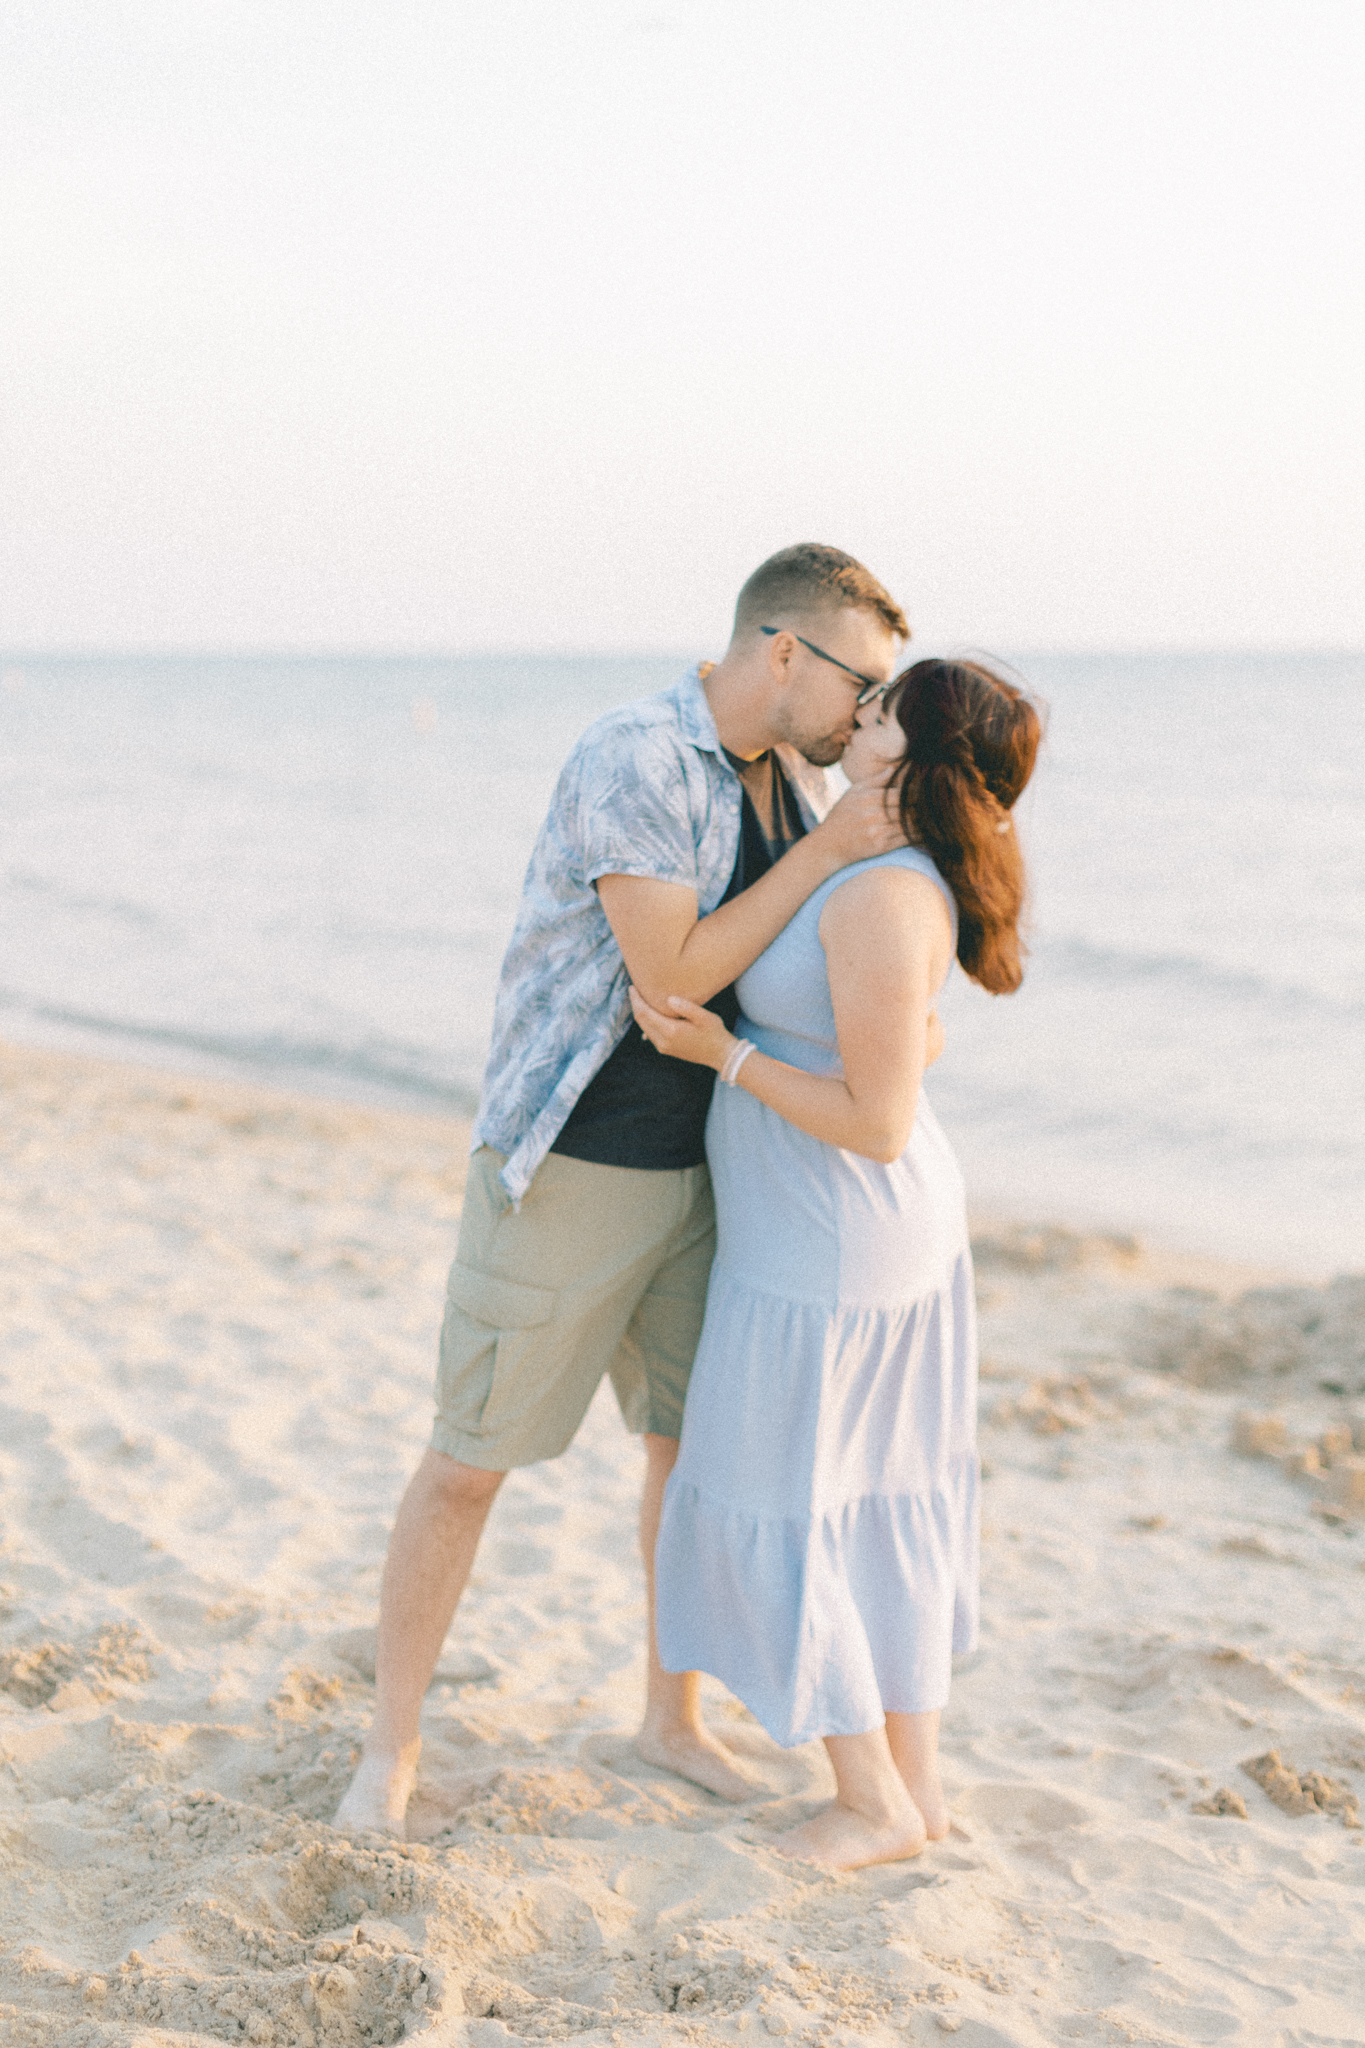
(922, 1782)
(694, 1752)
(376, 1801)
(838, 1838)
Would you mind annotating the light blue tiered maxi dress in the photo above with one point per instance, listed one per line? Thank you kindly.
(818, 1550)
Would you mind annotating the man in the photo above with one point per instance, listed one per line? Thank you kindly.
(685, 831)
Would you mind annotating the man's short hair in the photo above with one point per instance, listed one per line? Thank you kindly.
(810, 578)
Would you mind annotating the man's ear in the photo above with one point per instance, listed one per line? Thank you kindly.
(781, 648)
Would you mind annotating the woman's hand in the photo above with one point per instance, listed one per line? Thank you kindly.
(691, 1033)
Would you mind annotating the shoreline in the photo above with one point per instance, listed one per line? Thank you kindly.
(1159, 1261)
(119, 1047)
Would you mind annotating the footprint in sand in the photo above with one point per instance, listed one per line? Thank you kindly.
(573, 1801)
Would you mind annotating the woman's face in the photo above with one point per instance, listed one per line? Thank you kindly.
(877, 745)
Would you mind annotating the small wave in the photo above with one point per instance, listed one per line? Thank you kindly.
(69, 899)
(375, 1071)
(1094, 963)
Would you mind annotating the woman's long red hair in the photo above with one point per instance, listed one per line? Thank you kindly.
(971, 740)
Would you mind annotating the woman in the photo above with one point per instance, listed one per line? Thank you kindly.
(818, 1550)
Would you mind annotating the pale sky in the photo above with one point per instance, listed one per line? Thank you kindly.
(334, 325)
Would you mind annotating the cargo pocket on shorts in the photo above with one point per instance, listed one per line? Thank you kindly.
(489, 1330)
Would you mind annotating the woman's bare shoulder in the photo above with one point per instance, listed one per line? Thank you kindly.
(874, 894)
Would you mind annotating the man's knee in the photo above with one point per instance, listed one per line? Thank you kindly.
(456, 1489)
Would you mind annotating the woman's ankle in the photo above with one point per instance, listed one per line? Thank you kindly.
(890, 1805)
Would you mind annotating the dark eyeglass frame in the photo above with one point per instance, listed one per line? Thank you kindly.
(870, 691)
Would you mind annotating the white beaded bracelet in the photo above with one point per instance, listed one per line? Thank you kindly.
(735, 1059)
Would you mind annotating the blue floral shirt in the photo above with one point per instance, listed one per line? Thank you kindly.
(647, 791)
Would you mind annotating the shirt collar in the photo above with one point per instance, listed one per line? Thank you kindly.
(696, 720)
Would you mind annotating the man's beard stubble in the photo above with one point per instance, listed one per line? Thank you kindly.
(823, 753)
(822, 750)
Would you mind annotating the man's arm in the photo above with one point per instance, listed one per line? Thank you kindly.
(670, 951)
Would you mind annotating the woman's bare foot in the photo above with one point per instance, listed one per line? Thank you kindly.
(695, 1753)
(376, 1801)
(840, 1838)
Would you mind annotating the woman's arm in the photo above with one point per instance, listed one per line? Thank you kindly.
(887, 940)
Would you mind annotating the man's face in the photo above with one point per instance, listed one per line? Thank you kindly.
(818, 706)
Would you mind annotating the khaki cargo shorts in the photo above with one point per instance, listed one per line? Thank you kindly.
(602, 1269)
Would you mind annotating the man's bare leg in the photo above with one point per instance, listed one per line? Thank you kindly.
(431, 1550)
(914, 1751)
(673, 1733)
(872, 1819)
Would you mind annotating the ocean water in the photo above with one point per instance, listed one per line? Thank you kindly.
(306, 871)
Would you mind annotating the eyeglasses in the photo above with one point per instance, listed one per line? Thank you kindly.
(871, 689)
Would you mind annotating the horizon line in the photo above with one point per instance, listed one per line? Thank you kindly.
(17, 656)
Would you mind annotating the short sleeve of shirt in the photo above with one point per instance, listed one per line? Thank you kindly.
(632, 808)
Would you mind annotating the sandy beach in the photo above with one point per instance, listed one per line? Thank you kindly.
(218, 1329)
